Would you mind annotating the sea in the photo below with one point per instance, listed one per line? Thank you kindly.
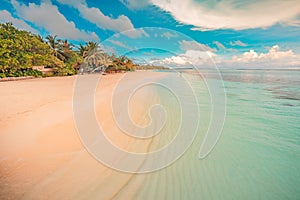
(257, 152)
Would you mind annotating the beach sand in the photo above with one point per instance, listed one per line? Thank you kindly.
(41, 155)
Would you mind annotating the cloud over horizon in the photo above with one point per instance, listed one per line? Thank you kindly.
(195, 54)
(275, 57)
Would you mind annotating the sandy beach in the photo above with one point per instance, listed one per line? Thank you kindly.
(41, 155)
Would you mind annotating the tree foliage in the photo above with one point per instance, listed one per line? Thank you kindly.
(122, 63)
(21, 50)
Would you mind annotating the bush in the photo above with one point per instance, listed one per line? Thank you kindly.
(21, 72)
(33, 72)
(64, 71)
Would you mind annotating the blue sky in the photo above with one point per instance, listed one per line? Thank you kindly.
(239, 33)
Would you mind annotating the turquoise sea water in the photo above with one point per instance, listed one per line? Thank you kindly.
(258, 153)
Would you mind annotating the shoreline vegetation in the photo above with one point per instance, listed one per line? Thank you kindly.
(24, 54)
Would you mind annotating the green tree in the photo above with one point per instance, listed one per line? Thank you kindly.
(82, 50)
(20, 50)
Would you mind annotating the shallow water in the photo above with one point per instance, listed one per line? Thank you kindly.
(258, 153)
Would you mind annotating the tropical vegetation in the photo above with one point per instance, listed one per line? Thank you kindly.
(21, 50)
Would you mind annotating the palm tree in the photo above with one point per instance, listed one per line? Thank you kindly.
(91, 46)
(129, 65)
(40, 38)
(125, 63)
(82, 50)
(64, 49)
(51, 40)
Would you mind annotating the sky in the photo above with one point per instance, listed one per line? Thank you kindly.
(226, 33)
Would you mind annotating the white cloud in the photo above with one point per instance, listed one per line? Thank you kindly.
(273, 54)
(135, 4)
(232, 14)
(201, 29)
(5, 16)
(190, 57)
(120, 44)
(273, 58)
(295, 22)
(135, 33)
(178, 60)
(47, 16)
(95, 16)
(193, 45)
(195, 54)
(169, 35)
(238, 43)
(219, 45)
